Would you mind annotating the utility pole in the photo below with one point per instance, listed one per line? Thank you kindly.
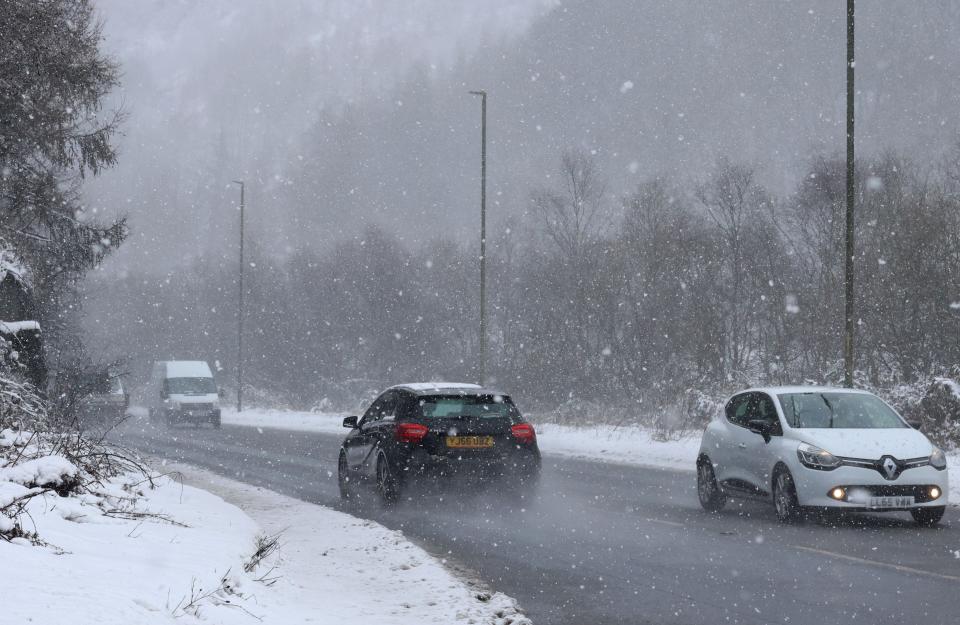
(240, 310)
(850, 325)
(483, 234)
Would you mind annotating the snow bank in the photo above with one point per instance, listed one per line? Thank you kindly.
(324, 423)
(174, 553)
(44, 471)
(326, 557)
(626, 445)
(14, 327)
(109, 561)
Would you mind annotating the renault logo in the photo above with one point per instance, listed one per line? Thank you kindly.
(890, 467)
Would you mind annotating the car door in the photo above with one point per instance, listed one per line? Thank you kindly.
(359, 442)
(374, 432)
(725, 453)
(743, 446)
(759, 454)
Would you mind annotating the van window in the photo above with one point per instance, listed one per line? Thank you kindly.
(190, 386)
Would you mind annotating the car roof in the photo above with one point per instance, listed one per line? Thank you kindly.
(187, 369)
(445, 388)
(779, 390)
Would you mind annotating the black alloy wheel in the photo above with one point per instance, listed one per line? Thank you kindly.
(785, 500)
(387, 483)
(711, 496)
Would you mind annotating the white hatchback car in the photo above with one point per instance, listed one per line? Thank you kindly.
(820, 447)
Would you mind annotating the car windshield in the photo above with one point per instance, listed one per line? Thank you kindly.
(838, 410)
(438, 406)
(191, 386)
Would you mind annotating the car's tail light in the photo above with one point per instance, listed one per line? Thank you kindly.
(524, 433)
(411, 432)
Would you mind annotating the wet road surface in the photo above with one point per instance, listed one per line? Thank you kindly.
(613, 544)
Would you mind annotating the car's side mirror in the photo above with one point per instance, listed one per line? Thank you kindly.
(761, 427)
(350, 422)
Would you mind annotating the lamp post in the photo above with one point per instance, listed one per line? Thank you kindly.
(240, 309)
(849, 323)
(483, 234)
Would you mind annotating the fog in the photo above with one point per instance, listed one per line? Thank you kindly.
(344, 113)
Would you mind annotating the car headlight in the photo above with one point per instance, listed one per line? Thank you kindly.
(816, 458)
(938, 460)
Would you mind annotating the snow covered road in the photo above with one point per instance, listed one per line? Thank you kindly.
(614, 543)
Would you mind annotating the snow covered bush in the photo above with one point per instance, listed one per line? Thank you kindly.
(939, 412)
(38, 460)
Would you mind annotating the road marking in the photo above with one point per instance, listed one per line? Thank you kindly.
(886, 565)
(670, 523)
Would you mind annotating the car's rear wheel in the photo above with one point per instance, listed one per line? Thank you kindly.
(928, 517)
(785, 500)
(388, 486)
(711, 496)
(346, 482)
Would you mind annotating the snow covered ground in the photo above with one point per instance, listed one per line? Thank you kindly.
(178, 556)
(605, 443)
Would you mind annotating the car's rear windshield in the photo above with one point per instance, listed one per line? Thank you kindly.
(439, 406)
(838, 410)
(190, 386)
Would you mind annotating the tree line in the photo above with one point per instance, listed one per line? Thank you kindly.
(673, 289)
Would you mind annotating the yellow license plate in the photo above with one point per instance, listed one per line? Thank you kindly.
(469, 442)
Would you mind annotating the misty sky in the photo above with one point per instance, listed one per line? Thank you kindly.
(344, 113)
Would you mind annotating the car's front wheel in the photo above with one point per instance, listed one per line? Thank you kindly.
(388, 485)
(928, 517)
(785, 500)
(711, 496)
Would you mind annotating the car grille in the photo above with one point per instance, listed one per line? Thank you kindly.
(920, 493)
(878, 465)
(196, 407)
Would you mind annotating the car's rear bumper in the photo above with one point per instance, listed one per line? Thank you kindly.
(521, 463)
(192, 416)
(814, 487)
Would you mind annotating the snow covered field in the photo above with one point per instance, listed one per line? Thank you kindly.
(178, 555)
(604, 443)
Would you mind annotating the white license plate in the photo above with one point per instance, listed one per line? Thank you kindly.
(891, 502)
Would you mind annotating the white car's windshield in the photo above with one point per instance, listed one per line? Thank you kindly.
(838, 410)
(190, 386)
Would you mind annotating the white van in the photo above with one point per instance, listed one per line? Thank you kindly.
(182, 391)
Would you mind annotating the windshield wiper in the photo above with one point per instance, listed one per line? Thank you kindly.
(830, 407)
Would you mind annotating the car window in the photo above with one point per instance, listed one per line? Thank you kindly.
(407, 407)
(439, 406)
(375, 411)
(389, 408)
(766, 410)
(738, 412)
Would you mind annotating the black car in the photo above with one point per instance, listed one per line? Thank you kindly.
(444, 432)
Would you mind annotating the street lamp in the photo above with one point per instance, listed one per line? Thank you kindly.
(849, 325)
(483, 234)
(240, 310)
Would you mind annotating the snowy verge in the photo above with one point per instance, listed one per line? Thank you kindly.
(131, 554)
(324, 423)
(179, 554)
(602, 443)
(327, 558)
